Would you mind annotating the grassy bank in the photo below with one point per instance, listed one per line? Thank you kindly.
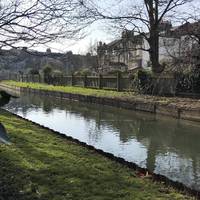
(41, 165)
(73, 90)
(130, 96)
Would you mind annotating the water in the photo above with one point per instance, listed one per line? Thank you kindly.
(163, 145)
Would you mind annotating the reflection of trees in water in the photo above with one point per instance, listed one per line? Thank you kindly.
(47, 106)
(196, 168)
(128, 124)
(172, 136)
(159, 136)
(4, 98)
(23, 104)
(124, 124)
(36, 102)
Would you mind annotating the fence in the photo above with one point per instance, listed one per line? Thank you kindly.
(167, 85)
(117, 82)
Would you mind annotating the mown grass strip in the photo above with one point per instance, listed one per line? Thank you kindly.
(41, 165)
(130, 96)
(73, 90)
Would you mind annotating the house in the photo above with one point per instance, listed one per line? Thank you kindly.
(129, 52)
(122, 54)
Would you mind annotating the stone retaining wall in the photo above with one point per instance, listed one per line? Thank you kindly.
(192, 114)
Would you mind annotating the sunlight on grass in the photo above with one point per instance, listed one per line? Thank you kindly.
(73, 90)
(41, 165)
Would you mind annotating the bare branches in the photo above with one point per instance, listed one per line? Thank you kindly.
(40, 21)
(149, 14)
(33, 22)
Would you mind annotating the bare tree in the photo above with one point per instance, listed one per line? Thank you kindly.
(143, 16)
(92, 48)
(188, 39)
(39, 21)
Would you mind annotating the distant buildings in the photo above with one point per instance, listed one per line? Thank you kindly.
(128, 52)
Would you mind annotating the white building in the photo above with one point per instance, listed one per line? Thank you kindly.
(127, 53)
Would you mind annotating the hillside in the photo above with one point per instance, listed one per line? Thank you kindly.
(24, 60)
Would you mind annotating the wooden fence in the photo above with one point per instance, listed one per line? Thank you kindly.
(167, 86)
(117, 82)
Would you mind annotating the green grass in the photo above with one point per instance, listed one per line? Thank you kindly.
(72, 89)
(41, 165)
(129, 95)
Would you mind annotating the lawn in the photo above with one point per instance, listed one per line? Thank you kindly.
(73, 89)
(41, 165)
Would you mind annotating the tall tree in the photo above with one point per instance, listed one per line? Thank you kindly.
(144, 16)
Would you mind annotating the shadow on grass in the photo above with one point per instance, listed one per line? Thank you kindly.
(40, 165)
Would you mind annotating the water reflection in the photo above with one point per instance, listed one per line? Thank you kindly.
(163, 145)
(4, 98)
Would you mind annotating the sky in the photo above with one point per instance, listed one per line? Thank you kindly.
(96, 32)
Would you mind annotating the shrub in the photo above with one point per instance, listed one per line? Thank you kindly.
(142, 82)
(83, 72)
(34, 72)
(188, 82)
(47, 72)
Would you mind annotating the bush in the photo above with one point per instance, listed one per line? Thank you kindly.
(143, 81)
(188, 82)
(34, 72)
(115, 72)
(83, 72)
(47, 72)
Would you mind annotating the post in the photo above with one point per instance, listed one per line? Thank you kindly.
(39, 78)
(61, 80)
(85, 81)
(72, 80)
(118, 81)
(65, 80)
(100, 81)
(15, 77)
(33, 78)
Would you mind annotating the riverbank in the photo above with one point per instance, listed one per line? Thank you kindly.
(42, 165)
(180, 108)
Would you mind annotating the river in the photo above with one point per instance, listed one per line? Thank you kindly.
(164, 145)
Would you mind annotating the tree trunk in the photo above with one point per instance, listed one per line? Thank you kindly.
(154, 51)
